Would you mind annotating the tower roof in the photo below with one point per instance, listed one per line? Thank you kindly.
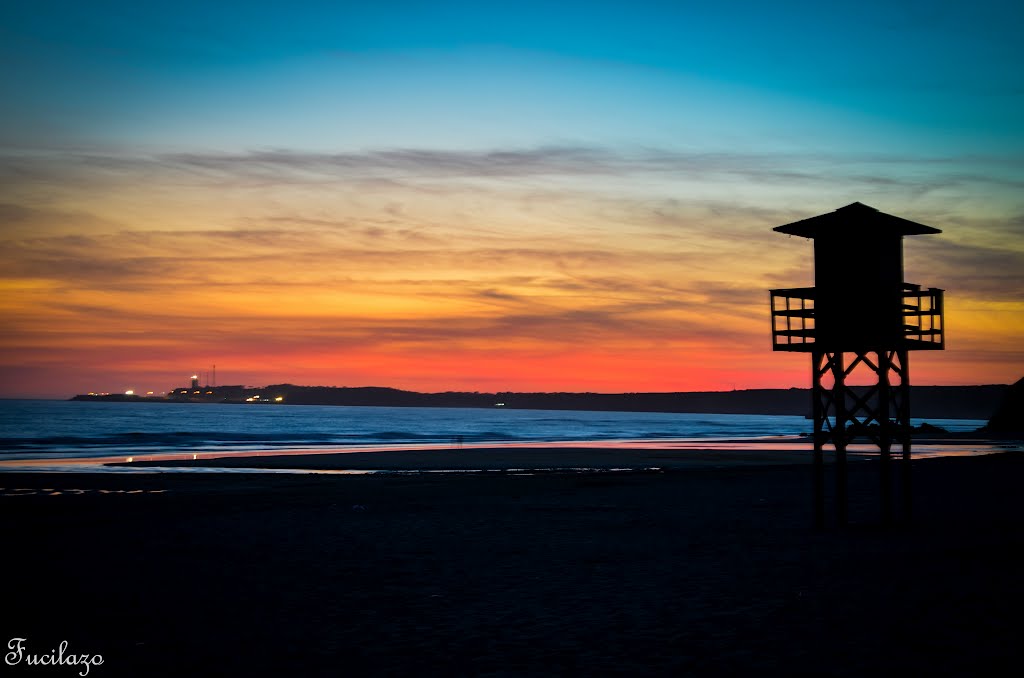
(854, 218)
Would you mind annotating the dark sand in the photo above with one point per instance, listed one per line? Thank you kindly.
(692, 571)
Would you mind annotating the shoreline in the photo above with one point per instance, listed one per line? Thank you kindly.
(555, 457)
(496, 456)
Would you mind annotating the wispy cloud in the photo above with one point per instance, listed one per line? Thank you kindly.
(978, 272)
(407, 164)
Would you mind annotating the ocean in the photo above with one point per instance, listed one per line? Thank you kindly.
(41, 429)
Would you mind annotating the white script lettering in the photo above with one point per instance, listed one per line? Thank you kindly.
(56, 657)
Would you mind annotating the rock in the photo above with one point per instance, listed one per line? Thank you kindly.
(1009, 415)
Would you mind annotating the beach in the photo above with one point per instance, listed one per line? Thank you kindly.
(707, 569)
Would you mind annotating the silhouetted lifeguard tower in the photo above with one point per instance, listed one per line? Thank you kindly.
(859, 317)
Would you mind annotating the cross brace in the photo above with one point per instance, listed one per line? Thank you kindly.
(878, 411)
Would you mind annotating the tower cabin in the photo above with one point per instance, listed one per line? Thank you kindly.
(859, 301)
(860, 317)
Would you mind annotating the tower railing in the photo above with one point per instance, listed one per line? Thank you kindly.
(793, 326)
(793, 319)
(923, 326)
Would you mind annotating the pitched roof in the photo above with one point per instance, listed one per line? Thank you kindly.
(855, 218)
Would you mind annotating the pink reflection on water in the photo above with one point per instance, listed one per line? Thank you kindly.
(774, 450)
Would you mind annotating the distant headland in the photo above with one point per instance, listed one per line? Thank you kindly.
(938, 402)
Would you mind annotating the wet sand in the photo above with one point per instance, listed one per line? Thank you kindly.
(701, 569)
(546, 457)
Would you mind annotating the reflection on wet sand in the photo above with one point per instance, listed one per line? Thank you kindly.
(510, 457)
(53, 492)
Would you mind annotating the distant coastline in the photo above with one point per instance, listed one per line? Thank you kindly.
(942, 402)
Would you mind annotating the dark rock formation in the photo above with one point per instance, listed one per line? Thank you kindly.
(1008, 418)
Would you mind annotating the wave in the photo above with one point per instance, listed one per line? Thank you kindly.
(41, 428)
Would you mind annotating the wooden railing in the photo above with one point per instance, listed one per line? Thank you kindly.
(793, 319)
(793, 326)
(923, 325)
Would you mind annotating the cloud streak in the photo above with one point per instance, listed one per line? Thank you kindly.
(588, 161)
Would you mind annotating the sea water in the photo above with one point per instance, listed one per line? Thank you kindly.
(39, 429)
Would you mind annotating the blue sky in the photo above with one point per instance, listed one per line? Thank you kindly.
(928, 76)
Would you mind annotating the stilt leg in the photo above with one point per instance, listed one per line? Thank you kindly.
(818, 462)
(839, 436)
(885, 436)
(903, 423)
(819, 485)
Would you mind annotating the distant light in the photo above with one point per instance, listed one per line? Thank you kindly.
(278, 399)
(129, 459)
(248, 400)
(149, 393)
(129, 392)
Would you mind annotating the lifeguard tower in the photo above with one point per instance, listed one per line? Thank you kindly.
(859, 322)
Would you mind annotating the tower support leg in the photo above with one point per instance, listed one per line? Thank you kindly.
(903, 428)
(885, 433)
(818, 410)
(839, 434)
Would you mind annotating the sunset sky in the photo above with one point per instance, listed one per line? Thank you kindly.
(571, 196)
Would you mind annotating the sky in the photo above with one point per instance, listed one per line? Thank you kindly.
(488, 196)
